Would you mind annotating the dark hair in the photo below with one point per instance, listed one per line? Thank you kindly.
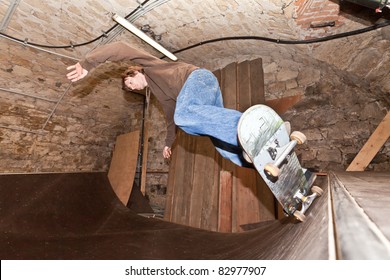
(131, 71)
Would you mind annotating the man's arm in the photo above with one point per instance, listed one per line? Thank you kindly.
(115, 52)
(111, 52)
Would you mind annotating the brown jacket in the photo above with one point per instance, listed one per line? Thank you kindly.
(165, 79)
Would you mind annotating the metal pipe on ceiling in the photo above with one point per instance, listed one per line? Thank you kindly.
(27, 95)
(11, 9)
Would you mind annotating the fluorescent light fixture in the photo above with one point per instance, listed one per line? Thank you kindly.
(126, 24)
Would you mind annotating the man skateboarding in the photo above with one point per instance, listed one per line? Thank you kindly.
(191, 99)
(190, 96)
(267, 142)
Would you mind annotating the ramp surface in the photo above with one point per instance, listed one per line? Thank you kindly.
(78, 216)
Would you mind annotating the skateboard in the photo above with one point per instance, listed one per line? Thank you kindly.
(267, 142)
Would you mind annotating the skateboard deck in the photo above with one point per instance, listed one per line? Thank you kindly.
(265, 139)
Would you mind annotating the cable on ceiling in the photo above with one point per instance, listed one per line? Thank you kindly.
(290, 42)
(259, 38)
(104, 34)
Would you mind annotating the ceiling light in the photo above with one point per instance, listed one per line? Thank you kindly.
(126, 24)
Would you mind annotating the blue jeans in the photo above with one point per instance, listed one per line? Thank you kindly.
(199, 111)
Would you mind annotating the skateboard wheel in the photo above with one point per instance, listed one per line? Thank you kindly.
(299, 137)
(317, 190)
(271, 170)
(299, 216)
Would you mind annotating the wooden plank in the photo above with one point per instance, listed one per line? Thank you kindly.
(229, 85)
(184, 180)
(218, 75)
(197, 196)
(225, 201)
(371, 190)
(243, 86)
(372, 146)
(203, 183)
(123, 165)
(211, 223)
(229, 93)
(248, 186)
(257, 82)
(248, 208)
(178, 181)
(282, 105)
(357, 237)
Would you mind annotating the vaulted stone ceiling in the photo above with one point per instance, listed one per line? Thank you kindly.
(176, 24)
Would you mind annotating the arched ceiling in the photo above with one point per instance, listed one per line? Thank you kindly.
(176, 24)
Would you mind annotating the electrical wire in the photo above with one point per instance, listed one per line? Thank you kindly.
(259, 38)
(290, 42)
(104, 34)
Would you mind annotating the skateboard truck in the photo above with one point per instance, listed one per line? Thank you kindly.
(306, 201)
(272, 169)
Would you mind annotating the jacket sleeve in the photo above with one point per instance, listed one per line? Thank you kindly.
(115, 52)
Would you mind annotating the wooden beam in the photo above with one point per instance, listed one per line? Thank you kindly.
(225, 201)
(372, 146)
(281, 105)
(123, 164)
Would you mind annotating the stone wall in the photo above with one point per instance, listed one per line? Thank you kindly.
(338, 115)
(49, 125)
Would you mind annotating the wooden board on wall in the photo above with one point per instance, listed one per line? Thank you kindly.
(123, 165)
(204, 197)
(372, 146)
(257, 81)
(208, 191)
(251, 206)
(229, 84)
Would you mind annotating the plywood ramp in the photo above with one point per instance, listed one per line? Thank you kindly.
(123, 165)
(207, 191)
(361, 209)
(78, 216)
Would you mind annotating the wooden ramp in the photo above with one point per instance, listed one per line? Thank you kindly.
(78, 216)
(209, 192)
(361, 209)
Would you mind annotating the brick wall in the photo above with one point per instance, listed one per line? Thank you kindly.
(316, 17)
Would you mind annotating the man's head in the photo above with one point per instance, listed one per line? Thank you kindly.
(134, 78)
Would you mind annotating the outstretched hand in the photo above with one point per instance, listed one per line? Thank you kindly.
(78, 72)
(167, 152)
